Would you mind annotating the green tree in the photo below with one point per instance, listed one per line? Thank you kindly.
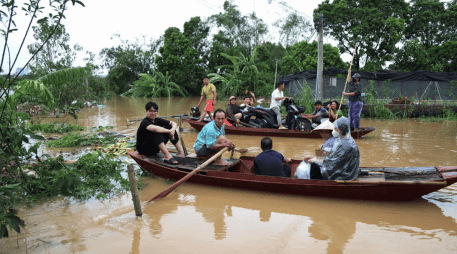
(246, 32)
(56, 54)
(303, 56)
(294, 28)
(127, 60)
(13, 133)
(430, 25)
(154, 86)
(376, 27)
(183, 54)
(245, 73)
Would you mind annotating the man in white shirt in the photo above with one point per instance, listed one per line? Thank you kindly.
(277, 97)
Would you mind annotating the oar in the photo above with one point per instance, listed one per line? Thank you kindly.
(136, 120)
(175, 185)
(348, 77)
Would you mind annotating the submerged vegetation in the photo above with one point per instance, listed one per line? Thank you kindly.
(55, 127)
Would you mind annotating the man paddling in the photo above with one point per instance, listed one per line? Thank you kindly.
(154, 133)
(211, 138)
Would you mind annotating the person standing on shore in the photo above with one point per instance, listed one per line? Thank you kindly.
(208, 91)
(355, 102)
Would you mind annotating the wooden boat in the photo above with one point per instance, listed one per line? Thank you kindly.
(372, 184)
(273, 132)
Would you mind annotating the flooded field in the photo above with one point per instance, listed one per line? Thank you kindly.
(202, 219)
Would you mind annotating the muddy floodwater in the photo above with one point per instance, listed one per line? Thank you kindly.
(202, 219)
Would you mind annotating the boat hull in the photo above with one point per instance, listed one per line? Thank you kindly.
(362, 188)
(231, 130)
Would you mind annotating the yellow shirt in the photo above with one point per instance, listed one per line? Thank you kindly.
(208, 91)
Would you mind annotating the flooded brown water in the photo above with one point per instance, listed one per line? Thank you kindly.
(202, 219)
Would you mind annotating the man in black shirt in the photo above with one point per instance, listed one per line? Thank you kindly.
(270, 162)
(154, 133)
(355, 102)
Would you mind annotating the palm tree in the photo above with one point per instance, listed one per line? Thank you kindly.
(243, 74)
(154, 86)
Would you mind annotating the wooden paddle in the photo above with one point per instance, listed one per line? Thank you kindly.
(175, 185)
(348, 77)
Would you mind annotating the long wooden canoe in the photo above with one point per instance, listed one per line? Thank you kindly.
(373, 184)
(273, 132)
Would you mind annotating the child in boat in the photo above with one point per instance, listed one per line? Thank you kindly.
(270, 162)
(154, 133)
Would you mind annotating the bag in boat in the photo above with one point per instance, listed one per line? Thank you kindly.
(303, 171)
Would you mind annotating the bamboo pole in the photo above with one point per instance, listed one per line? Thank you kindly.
(347, 78)
(134, 190)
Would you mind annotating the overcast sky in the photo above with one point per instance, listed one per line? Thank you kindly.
(93, 25)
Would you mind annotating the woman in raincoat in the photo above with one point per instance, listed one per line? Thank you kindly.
(343, 162)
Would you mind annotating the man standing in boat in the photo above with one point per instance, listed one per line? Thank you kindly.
(270, 162)
(277, 97)
(211, 138)
(355, 102)
(208, 91)
(154, 133)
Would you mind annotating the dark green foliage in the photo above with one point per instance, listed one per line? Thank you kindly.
(157, 85)
(376, 27)
(72, 140)
(303, 56)
(93, 175)
(182, 54)
(55, 127)
(126, 61)
(8, 214)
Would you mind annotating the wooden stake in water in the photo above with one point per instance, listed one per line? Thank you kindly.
(134, 190)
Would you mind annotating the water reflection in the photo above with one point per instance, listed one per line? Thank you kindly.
(331, 221)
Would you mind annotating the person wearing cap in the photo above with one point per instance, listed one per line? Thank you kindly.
(344, 160)
(208, 91)
(355, 102)
(234, 112)
(319, 113)
(277, 97)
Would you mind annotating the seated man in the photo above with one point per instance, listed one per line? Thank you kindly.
(211, 138)
(154, 133)
(234, 113)
(319, 113)
(270, 162)
(343, 162)
(247, 104)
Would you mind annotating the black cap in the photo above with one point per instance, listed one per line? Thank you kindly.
(318, 103)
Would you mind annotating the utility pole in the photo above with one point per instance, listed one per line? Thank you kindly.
(320, 60)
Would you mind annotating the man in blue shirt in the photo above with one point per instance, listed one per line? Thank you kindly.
(270, 162)
(211, 138)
